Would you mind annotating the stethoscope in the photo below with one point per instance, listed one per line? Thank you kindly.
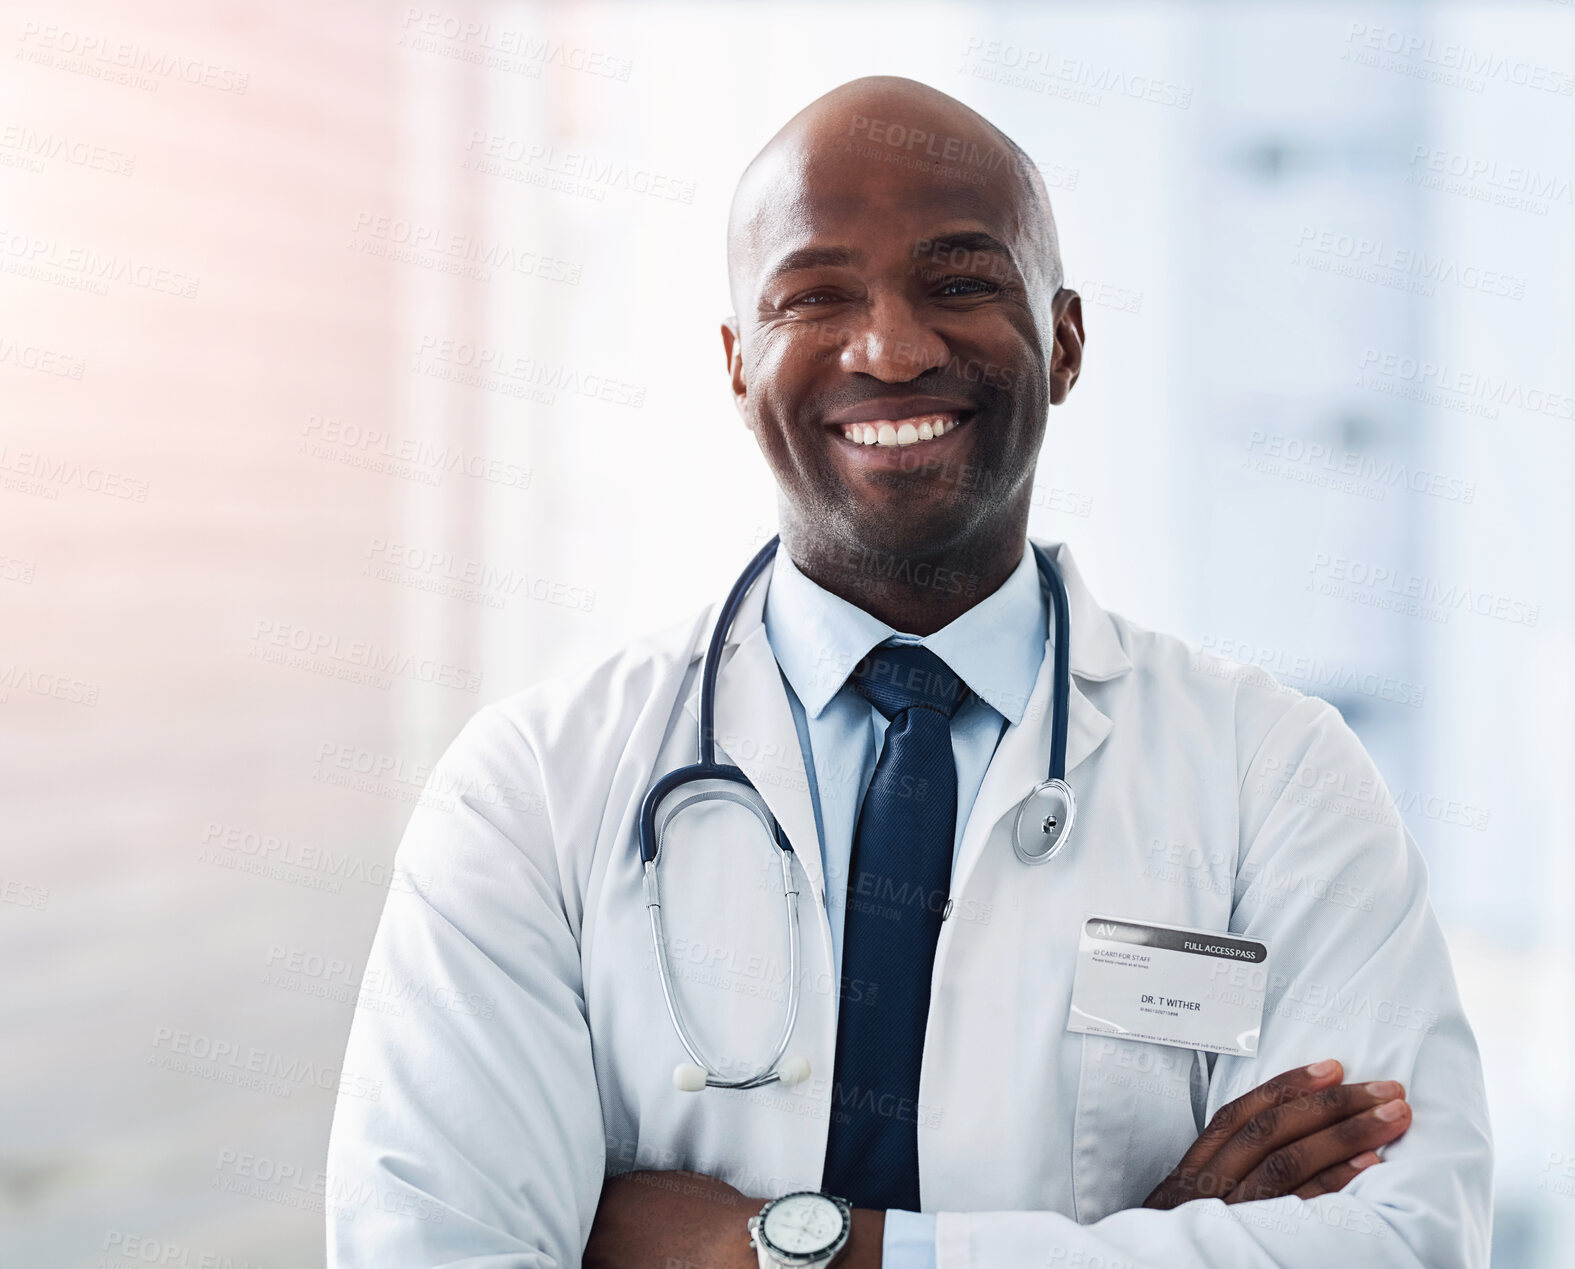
(1043, 826)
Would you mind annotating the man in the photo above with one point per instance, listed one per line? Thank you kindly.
(901, 333)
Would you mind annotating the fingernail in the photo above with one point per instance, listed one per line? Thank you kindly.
(1319, 1069)
(1390, 1111)
(1365, 1160)
(1385, 1089)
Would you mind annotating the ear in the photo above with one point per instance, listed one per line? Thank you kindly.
(1066, 359)
(732, 346)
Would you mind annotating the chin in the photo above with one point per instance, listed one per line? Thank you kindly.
(903, 527)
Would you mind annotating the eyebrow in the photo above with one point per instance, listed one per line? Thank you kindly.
(814, 258)
(968, 240)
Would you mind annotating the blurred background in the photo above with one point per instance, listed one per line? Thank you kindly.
(359, 366)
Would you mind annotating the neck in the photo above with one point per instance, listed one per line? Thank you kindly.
(913, 593)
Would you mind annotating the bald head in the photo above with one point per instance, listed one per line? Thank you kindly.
(933, 140)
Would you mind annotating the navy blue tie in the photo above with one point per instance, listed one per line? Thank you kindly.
(898, 880)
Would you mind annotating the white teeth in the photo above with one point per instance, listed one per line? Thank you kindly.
(910, 431)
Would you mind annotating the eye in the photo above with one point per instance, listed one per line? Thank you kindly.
(966, 288)
(813, 299)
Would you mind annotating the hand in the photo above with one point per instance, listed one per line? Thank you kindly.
(1302, 1133)
(671, 1220)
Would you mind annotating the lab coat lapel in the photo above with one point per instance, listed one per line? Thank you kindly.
(755, 732)
(1022, 759)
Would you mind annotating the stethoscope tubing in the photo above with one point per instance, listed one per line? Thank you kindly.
(713, 653)
(707, 768)
(1061, 681)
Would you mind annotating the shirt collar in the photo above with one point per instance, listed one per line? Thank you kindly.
(996, 647)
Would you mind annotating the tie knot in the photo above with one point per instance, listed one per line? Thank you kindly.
(893, 679)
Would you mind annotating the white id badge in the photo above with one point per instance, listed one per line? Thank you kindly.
(1166, 984)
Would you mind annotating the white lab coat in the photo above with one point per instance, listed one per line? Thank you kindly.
(530, 1053)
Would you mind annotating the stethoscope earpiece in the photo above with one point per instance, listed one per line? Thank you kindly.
(688, 1078)
(794, 1071)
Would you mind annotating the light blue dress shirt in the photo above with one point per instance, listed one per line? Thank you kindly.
(996, 648)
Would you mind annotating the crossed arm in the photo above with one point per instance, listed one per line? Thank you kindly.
(1302, 1133)
(483, 1137)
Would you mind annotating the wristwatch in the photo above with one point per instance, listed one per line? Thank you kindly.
(805, 1229)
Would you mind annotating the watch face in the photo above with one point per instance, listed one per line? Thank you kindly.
(802, 1223)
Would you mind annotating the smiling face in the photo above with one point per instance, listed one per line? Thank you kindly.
(900, 330)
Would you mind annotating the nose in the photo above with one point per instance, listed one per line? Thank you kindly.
(891, 342)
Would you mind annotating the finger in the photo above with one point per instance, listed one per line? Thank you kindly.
(1276, 1127)
(1195, 1175)
(1333, 1180)
(1284, 1170)
(1229, 1118)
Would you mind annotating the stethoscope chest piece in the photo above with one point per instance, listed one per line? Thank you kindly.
(1044, 822)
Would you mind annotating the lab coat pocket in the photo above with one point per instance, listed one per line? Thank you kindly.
(1135, 1119)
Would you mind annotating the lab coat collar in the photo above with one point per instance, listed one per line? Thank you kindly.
(1096, 653)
